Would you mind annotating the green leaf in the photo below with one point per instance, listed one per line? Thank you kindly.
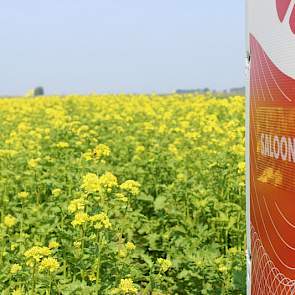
(160, 203)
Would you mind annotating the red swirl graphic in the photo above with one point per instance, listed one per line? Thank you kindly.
(282, 9)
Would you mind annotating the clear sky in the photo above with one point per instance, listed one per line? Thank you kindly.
(82, 46)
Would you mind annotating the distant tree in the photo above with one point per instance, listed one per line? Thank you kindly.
(38, 91)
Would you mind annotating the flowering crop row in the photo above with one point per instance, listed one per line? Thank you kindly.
(122, 194)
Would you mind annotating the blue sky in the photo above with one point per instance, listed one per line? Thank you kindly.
(82, 46)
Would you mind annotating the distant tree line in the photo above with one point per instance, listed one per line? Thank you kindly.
(231, 91)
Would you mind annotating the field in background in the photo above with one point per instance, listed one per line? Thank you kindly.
(122, 195)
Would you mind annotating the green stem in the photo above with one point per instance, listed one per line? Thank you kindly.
(149, 286)
(99, 248)
(34, 279)
(21, 221)
(2, 249)
(82, 240)
(37, 197)
(65, 269)
(50, 285)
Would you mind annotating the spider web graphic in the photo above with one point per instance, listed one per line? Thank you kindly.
(266, 277)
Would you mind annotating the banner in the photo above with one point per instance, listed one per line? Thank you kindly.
(271, 146)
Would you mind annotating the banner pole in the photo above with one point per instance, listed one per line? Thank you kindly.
(247, 151)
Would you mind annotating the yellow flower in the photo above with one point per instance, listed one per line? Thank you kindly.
(13, 246)
(126, 286)
(62, 145)
(199, 262)
(173, 149)
(164, 264)
(162, 128)
(23, 195)
(17, 292)
(15, 268)
(131, 186)
(223, 268)
(122, 253)
(51, 264)
(87, 156)
(139, 149)
(9, 221)
(100, 220)
(77, 244)
(233, 250)
(181, 177)
(56, 192)
(53, 245)
(121, 197)
(36, 253)
(242, 167)
(130, 246)
(101, 150)
(239, 149)
(33, 163)
(125, 248)
(76, 205)
(108, 181)
(91, 183)
(80, 218)
(92, 277)
(148, 126)
(7, 153)
(191, 135)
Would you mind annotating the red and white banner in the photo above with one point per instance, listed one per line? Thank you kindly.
(271, 145)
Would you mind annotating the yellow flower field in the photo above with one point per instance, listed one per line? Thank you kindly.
(122, 194)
